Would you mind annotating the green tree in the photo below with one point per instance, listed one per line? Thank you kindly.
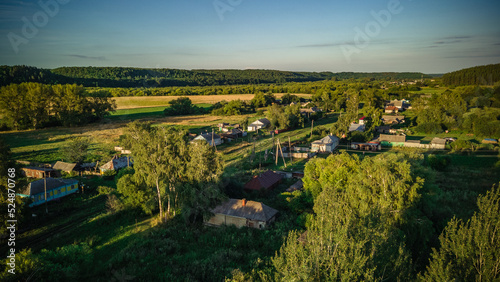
(180, 106)
(76, 149)
(159, 158)
(365, 213)
(470, 251)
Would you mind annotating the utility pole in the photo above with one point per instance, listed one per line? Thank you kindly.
(277, 144)
(213, 142)
(45, 189)
(283, 157)
(290, 150)
(312, 126)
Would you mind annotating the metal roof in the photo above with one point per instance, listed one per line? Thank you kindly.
(250, 210)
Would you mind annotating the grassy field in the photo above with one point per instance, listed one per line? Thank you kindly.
(428, 90)
(142, 112)
(155, 101)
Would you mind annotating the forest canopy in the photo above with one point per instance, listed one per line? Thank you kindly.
(35, 105)
(147, 78)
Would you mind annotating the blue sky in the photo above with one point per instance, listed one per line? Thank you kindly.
(421, 35)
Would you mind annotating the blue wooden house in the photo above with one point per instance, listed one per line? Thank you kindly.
(56, 188)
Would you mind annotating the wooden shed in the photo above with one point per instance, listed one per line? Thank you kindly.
(67, 167)
(243, 213)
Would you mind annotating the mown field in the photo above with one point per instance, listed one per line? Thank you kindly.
(155, 101)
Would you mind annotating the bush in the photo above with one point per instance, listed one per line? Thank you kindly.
(463, 145)
(109, 174)
(105, 190)
(439, 163)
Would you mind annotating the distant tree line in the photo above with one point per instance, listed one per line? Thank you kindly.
(480, 75)
(141, 77)
(35, 105)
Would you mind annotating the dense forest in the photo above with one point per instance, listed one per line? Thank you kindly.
(480, 75)
(140, 77)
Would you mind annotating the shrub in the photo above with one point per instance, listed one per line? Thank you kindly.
(109, 174)
(105, 190)
(439, 163)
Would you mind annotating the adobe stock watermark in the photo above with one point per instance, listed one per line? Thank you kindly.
(39, 19)
(223, 6)
(372, 29)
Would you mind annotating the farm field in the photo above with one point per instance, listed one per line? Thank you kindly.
(155, 101)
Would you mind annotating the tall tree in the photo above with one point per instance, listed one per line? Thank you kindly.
(159, 158)
(364, 214)
(470, 251)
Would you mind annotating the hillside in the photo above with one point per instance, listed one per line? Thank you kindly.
(480, 75)
(141, 77)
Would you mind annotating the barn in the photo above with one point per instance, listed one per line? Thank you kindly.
(243, 213)
(38, 172)
(55, 188)
(264, 181)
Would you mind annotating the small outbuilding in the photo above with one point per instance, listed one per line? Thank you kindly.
(66, 167)
(39, 172)
(438, 143)
(243, 213)
(392, 140)
(264, 181)
(54, 187)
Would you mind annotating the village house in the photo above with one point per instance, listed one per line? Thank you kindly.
(356, 127)
(243, 213)
(390, 119)
(325, 145)
(264, 181)
(55, 189)
(66, 167)
(116, 163)
(308, 112)
(209, 137)
(258, 124)
(38, 172)
(391, 109)
(399, 104)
